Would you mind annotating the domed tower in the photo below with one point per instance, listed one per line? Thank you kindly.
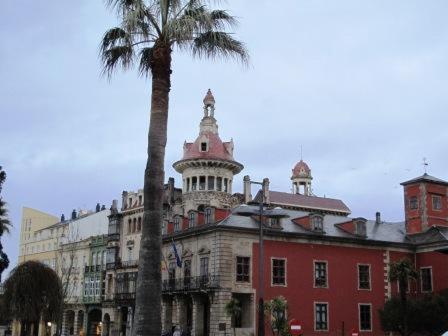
(207, 165)
(301, 179)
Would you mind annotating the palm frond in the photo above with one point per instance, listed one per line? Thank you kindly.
(219, 44)
(122, 56)
(145, 61)
(141, 21)
(220, 18)
(113, 37)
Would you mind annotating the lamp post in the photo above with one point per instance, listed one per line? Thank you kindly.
(275, 213)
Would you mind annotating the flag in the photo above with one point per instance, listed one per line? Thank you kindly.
(178, 261)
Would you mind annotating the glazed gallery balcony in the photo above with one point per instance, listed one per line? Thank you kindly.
(203, 282)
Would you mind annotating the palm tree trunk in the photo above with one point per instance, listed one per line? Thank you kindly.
(147, 317)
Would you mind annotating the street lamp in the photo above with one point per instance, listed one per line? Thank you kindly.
(245, 210)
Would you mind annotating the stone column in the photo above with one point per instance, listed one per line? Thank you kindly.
(218, 314)
(196, 327)
(42, 328)
(129, 322)
(75, 324)
(64, 324)
(175, 311)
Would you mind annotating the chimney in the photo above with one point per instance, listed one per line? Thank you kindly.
(114, 207)
(378, 218)
(74, 214)
(265, 187)
(97, 207)
(103, 207)
(62, 218)
(247, 194)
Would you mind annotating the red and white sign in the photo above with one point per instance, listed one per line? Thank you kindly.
(295, 327)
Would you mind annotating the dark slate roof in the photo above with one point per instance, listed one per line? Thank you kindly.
(305, 202)
(425, 178)
(434, 234)
(389, 232)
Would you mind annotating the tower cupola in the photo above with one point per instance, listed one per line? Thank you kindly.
(301, 179)
(207, 165)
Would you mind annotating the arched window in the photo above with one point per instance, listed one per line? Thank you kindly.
(139, 224)
(134, 225)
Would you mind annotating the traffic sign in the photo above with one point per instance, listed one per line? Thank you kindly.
(295, 327)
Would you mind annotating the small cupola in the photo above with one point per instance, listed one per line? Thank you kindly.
(301, 179)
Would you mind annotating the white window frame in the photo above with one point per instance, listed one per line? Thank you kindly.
(359, 316)
(328, 316)
(440, 202)
(326, 273)
(236, 270)
(370, 277)
(421, 279)
(272, 272)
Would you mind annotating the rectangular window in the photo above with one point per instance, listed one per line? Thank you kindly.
(321, 316)
(187, 274)
(219, 183)
(242, 269)
(211, 183)
(226, 185)
(201, 182)
(278, 271)
(426, 279)
(363, 276)
(203, 267)
(436, 202)
(194, 182)
(365, 317)
(320, 274)
(413, 203)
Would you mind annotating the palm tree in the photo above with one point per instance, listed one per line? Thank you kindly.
(402, 271)
(148, 32)
(33, 292)
(5, 226)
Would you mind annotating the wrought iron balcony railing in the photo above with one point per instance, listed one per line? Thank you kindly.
(202, 282)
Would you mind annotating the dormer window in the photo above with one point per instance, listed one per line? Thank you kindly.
(204, 147)
(191, 219)
(361, 227)
(317, 223)
(208, 215)
(275, 222)
(176, 223)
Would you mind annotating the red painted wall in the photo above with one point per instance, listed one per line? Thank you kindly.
(342, 294)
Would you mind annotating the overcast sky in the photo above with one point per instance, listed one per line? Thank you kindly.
(360, 85)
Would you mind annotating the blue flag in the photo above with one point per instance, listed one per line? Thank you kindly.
(178, 261)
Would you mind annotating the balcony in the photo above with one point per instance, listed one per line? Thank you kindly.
(127, 264)
(203, 282)
(124, 297)
(113, 237)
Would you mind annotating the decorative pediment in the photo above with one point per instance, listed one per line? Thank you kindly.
(204, 250)
(187, 253)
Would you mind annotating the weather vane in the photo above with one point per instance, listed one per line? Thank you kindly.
(425, 165)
